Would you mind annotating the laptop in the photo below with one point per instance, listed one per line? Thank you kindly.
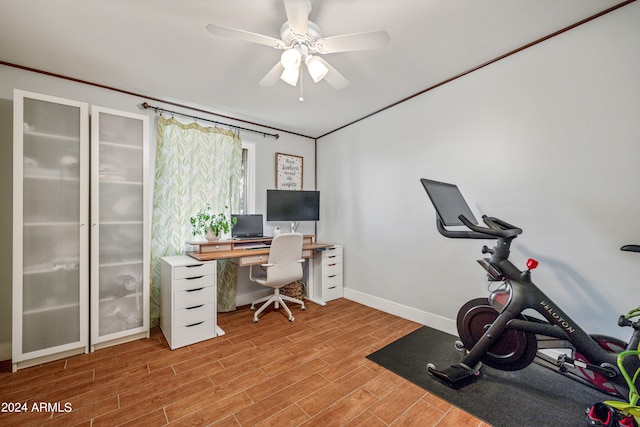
(248, 226)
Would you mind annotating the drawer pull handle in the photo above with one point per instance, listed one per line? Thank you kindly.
(331, 256)
(331, 265)
(194, 278)
(333, 275)
(194, 265)
(194, 290)
(333, 287)
(195, 306)
(194, 324)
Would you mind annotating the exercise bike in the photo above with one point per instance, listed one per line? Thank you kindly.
(495, 331)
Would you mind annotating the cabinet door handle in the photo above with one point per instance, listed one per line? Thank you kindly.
(194, 290)
(195, 306)
(194, 324)
(193, 278)
(194, 265)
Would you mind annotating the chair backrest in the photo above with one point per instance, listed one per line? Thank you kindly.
(285, 251)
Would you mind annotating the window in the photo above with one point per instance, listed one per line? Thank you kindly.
(248, 183)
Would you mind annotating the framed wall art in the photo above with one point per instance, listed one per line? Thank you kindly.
(289, 170)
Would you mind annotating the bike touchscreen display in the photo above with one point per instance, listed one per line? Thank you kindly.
(448, 201)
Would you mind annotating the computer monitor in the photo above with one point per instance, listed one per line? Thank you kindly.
(448, 201)
(293, 205)
(247, 226)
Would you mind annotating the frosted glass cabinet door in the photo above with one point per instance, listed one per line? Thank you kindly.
(119, 227)
(50, 232)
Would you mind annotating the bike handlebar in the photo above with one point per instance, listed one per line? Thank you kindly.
(496, 228)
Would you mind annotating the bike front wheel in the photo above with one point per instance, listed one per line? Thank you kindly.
(512, 351)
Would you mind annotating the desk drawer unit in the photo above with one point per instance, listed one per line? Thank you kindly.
(187, 300)
(262, 259)
(193, 333)
(253, 260)
(193, 315)
(194, 297)
(216, 247)
(327, 270)
(197, 269)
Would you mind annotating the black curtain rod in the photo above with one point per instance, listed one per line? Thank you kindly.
(162, 110)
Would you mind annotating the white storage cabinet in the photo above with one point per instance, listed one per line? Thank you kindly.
(188, 300)
(52, 270)
(327, 271)
(50, 317)
(119, 227)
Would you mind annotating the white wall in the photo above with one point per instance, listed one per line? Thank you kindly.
(266, 148)
(6, 215)
(547, 139)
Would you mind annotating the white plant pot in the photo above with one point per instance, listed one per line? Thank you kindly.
(212, 237)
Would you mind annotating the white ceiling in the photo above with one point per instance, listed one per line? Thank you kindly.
(161, 49)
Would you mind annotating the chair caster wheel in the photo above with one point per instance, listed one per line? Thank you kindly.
(430, 366)
(459, 346)
(291, 319)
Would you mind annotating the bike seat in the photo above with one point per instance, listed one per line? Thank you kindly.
(630, 248)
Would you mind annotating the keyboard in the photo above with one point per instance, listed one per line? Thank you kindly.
(256, 246)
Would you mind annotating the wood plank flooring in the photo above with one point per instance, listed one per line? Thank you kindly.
(311, 372)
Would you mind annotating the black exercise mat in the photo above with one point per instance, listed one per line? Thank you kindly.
(534, 396)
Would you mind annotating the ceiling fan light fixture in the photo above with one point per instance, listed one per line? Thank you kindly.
(291, 58)
(290, 76)
(301, 39)
(316, 68)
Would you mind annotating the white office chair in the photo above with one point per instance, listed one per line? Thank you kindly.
(284, 266)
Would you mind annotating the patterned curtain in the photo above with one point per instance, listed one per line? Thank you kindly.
(194, 166)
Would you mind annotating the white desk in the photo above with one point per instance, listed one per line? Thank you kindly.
(237, 251)
(188, 288)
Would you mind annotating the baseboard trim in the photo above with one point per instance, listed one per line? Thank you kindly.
(428, 319)
(248, 297)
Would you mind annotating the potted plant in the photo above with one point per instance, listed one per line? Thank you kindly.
(211, 225)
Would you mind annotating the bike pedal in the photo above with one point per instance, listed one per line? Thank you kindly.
(453, 375)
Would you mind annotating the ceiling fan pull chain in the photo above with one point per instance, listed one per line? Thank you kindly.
(301, 84)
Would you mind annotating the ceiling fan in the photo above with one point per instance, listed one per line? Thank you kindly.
(302, 43)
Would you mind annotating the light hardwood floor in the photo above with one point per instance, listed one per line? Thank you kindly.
(311, 372)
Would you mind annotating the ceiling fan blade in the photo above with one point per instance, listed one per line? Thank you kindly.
(333, 77)
(297, 15)
(232, 33)
(357, 41)
(272, 76)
